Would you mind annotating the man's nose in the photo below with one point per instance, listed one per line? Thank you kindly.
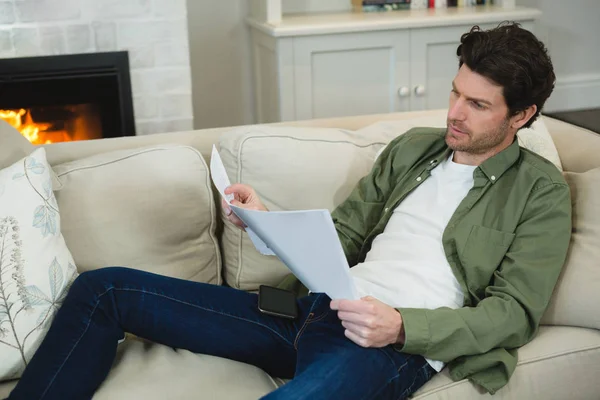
(456, 110)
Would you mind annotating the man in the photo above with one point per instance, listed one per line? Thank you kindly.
(456, 238)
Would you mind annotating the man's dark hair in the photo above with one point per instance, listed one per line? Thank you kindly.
(513, 58)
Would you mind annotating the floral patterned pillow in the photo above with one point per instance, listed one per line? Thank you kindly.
(36, 268)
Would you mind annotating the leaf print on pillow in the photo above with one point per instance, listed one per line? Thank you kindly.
(44, 217)
(58, 292)
(72, 275)
(55, 275)
(35, 296)
(31, 164)
(50, 194)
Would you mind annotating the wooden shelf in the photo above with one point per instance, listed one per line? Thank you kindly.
(347, 22)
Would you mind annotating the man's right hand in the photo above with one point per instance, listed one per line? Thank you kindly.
(244, 197)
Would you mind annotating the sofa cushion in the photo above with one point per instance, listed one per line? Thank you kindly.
(536, 138)
(576, 297)
(291, 169)
(36, 267)
(151, 371)
(148, 208)
(547, 366)
(156, 372)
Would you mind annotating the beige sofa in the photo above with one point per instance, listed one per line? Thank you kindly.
(147, 202)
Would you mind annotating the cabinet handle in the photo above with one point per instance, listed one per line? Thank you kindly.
(403, 91)
(419, 90)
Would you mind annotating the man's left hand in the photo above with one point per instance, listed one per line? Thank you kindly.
(369, 322)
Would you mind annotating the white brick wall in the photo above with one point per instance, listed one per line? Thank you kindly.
(153, 31)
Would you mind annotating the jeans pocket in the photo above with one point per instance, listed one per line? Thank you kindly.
(318, 311)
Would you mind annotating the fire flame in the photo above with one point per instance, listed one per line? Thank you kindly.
(36, 133)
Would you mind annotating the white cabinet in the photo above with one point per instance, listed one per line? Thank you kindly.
(311, 67)
(350, 74)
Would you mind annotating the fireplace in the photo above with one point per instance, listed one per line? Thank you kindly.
(68, 97)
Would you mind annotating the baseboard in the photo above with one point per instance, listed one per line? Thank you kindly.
(575, 93)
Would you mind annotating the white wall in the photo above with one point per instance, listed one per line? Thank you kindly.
(571, 31)
(222, 67)
(221, 63)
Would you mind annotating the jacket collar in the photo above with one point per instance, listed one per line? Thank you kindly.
(495, 166)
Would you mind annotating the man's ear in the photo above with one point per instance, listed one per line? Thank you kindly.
(521, 118)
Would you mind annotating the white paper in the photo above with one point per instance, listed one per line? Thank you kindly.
(259, 245)
(221, 181)
(305, 241)
(219, 174)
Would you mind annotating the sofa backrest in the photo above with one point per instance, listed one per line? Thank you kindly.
(148, 208)
(577, 147)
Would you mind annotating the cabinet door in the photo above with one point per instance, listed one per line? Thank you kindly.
(434, 63)
(351, 74)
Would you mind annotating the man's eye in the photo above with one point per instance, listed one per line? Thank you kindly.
(477, 105)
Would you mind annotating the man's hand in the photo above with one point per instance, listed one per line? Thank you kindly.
(244, 197)
(369, 322)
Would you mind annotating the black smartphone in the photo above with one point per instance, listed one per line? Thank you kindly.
(277, 302)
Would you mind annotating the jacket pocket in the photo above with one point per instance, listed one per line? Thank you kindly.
(483, 253)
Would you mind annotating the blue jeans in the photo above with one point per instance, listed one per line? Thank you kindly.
(77, 353)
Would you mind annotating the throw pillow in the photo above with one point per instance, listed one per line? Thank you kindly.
(36, 268)
(15, 146)
(536, 138)
(575, 299)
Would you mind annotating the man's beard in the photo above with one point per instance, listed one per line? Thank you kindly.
(479, 143)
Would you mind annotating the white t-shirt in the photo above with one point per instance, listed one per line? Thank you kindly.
(407, 266)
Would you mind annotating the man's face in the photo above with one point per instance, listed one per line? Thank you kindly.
(477, 115)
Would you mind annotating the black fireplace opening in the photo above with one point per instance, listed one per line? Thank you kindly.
(68, 97)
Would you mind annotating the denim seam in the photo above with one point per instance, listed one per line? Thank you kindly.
(413, 382)
(381, 349)
(306, 322)
(393, 377)
(209, 310)
(297, 338)
(150, 293)
(320, 317)
(76, 343)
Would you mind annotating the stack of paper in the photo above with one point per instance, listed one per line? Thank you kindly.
(305, 241)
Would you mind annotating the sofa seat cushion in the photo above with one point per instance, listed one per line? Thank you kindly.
(546, 367)
(149, 208)
(291, 168)
(151, 371)
(155, 372)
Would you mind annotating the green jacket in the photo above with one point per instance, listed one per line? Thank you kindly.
(506, 244)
